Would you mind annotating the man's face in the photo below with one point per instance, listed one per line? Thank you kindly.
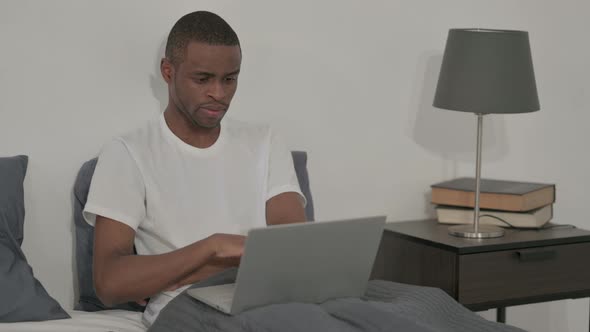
(204, 83)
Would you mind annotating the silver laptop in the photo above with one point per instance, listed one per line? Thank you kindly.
(308, 262)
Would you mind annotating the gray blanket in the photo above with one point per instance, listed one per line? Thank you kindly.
(387, 306)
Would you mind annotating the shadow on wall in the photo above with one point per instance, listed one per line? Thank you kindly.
(449, 134)
(157, 83)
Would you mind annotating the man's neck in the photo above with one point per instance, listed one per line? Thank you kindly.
(180, 126)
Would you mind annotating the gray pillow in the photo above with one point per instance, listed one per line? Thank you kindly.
(22, 298)
(88, 301)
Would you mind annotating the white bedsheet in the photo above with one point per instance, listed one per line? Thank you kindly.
(101, 321)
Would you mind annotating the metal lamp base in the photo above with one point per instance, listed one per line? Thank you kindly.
(484, 232)
(468, 231)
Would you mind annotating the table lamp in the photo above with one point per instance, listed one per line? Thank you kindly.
(485, 71)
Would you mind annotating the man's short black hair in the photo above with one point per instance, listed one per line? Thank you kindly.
(200, 26)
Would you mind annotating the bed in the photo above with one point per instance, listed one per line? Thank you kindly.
(26, 306)
(100, 321)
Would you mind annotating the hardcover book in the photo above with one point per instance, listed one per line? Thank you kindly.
(531, 219)
(494, 194)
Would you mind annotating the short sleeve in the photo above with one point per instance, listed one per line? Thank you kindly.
(117, 189)
(281, 172)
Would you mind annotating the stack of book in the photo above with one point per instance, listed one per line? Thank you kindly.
(502, 203)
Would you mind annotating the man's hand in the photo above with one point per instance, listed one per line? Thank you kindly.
(228, 246)
(228, 250)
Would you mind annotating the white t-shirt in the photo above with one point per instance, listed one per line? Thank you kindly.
(173, 194)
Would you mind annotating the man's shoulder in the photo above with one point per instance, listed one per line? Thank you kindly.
(130, 144)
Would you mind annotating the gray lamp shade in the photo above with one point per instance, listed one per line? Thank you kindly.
(487, 71)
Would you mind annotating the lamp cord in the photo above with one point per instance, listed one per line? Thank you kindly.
(546, 226)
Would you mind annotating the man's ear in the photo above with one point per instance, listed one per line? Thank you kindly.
(167, 70)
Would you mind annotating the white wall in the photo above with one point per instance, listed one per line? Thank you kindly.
(349, 81)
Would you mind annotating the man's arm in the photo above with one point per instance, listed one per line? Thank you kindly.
(285, 208)
(120, 276)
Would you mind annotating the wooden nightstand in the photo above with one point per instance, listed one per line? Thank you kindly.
(524, 266)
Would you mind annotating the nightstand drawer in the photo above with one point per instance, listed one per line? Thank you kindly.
(523, 273)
